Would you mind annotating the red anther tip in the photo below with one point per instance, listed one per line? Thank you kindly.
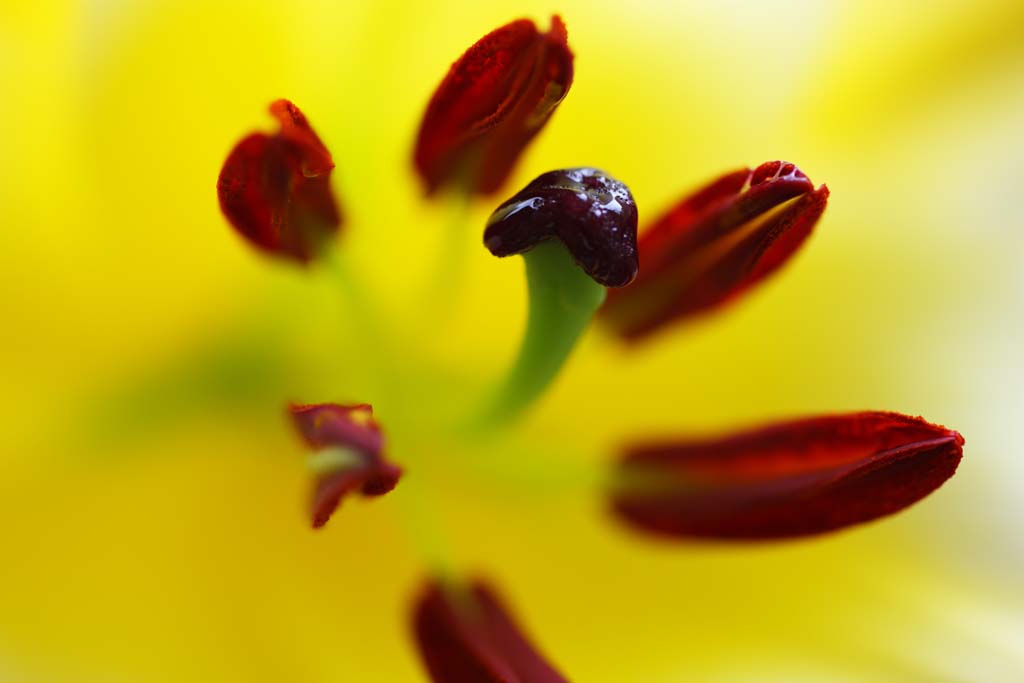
(492, 103)
(790, 479)
(467, 635)
(352, 428)
(715, 245)
(275, 189)
(777, 170)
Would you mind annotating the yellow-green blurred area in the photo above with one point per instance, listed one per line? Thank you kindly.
(152, 493)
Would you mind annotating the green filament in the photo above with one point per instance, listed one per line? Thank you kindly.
(562, 300)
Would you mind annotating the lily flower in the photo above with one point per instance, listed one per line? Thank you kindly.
(577, 232)
(493, 102)
(346, 455)
(275, 190)
(508, 418)
(715, 245)
(465, 634)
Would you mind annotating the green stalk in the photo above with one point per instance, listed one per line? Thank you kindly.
(562, 301)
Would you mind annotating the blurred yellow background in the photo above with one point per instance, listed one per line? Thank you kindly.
(153, 493)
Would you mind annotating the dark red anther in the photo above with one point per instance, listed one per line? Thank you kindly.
(356, 437)
(275, 189)
(716, 245)
(466, 635)
(590, 212)
(493, 101)
(790, 479)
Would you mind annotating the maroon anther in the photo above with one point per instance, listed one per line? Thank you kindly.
(790, 479)
(275, 190)
(716, 245)
(466, 635)
(493, 101)
(353, 430)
